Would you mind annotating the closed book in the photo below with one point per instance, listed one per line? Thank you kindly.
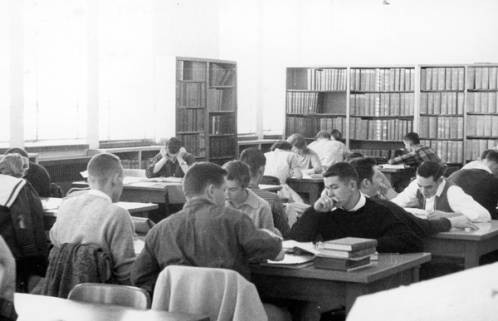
(349, 244)
(346, 254)
(329, 263)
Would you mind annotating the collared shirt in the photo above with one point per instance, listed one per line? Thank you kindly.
(477, 164)
(361, 202)
(459, 201)
(281, 164)
(417, 157)
(329, 151)
(170, 168)
(257, 209)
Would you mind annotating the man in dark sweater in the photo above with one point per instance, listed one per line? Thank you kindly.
(354, 215)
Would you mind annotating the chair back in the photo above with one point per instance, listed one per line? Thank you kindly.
(129, 296)
(270, 180)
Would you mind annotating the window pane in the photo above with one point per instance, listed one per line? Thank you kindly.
(4, 71)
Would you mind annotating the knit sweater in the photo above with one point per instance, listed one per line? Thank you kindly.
(89, 216)
(370, 221)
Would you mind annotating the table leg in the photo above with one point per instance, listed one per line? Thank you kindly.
(471, 256)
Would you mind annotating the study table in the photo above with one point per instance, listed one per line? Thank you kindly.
(330, 289)
(31, 307)
(399, 177)
(311, 187)
(469, 246)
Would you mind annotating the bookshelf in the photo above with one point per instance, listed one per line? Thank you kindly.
(206, 108)
(131, 157)
(442, 104)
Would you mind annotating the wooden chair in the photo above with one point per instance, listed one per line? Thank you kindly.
(123, 295)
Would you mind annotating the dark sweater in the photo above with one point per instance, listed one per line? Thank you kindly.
(39, 178)
(371, 221)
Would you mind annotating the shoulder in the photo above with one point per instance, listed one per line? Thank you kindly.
(378, 207)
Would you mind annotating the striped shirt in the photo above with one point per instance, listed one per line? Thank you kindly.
(417, 157)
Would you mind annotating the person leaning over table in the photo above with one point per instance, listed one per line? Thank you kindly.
(7, 283)
(432, 192)
(416, 153)
(172, 161)
(353, 215)
(308, 160)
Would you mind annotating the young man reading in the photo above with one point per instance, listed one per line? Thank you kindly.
(354, 215)
(205, 233)
(416, 153)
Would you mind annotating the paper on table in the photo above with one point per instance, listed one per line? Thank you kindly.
(392, 166)
(291, 259)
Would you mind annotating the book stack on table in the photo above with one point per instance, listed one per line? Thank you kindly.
(345, 254)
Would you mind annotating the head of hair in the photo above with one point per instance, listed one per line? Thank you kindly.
(238, 171)
(16, 150)
(297, 140)
(344, 171)
(364, 167)
(412, 137)
(173, 144)
(336, 133)
(12, 164)
(492, 155)
(323, 134)
(353, 155)
(254, 158)
(200, 176)
(430, 169)
(485, 153)
(103, 167)
(281, 144)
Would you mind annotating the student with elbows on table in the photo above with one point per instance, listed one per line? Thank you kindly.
(417, 153)
(172, 161)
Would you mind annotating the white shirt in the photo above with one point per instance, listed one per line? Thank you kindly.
(459, 201)
(477, 164)
(280, 163)
(329, 151)
(360, 204)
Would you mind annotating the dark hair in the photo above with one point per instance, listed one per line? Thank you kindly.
(364, 167)
(297, 140)
(16, 150)
(281, 144)
(353, 155)
(492, 155)
(344, 171)
(238, 171)
(103, 166)
(336, 133)
(430, 169)
(174, 145)
(254, 158)
(323, 134)
(200, 175)
(485, 153)
(412, 137)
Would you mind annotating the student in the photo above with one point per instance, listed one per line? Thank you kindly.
(21, 221)
(241, 198)
(488, 162)
(89, 216)
(416, 153)
(7, 284)
(308, 160)
(256, 161)
(205, 233)
(329, 151)
(281, 162)
(337, 135)
(354, 215)
(172, 160)
(37, 175)
(431, 191)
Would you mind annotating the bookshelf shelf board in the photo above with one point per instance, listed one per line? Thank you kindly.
(221, 112)
(382, 92)
(482, 137)
(221, 87)
(442, 139)
(482, 90)
(221, 135)
(384, 117)
(195, 132)
(482, 114)
(441, 115)
(442, 91)
(191, 107)
(317, 91)
(192, 81)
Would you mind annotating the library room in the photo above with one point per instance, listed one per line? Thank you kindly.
(190, 160)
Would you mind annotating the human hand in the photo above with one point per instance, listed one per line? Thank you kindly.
(280, 255)
(8, 279)
(324, 204)
(163, 151)
(462, 222)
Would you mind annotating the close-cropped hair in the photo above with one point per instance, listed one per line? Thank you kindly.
(281, 144)
(13, 164)
(238, 171)
(412, 137)
(298, 141)
(17, 150)
(173, 144)
(492, 155)
(430, 169)
(200, 176)
(364, 167)
(104, 166)
(323, 134)
(336, 133)
(344, 171)
(254, 158)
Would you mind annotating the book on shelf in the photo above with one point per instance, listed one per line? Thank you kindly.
(441, 103)
(482, 102)
(482, 126)
(345, 254)
(382, 104)
(442, 78)
(349, 244)
(382, 79)
(379, 129)
(192, 94)
(475, 147)
(482, 77)
(448, 151)
(341, 264)
(221, 75)
(190, 120)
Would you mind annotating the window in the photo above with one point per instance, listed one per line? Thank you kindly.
(4, 72)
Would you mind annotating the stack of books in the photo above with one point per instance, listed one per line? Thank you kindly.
(345, 254)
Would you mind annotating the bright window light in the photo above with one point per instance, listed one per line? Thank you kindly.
(4, 72)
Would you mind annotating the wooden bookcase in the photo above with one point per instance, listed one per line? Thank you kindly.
(206, 108)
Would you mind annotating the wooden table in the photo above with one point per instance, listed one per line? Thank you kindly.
(399, 177)
(46, 308)
(327, 289)
(310, 188)
(469, 246)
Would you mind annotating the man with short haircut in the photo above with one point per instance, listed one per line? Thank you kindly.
(417, 153)
(353, 215)
(488, 162)
(204, 233)
(37, 175)
(172, 161)
(239, 197)
(256, 161)
(329, 151)
(89, 216)
(430, 191)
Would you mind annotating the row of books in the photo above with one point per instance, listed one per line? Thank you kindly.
(441, 127)
(222, 146)
(379, 129)
(382, 79)
(302, 125)
(220, 99)
(192, 94)
(482, 126)
(436, 103)
(345, 254)
(134, 163)
(302, 102)
(194, 144)
(221, 75)
(482, 78)
(191, 70)
(482, 102)
(448, 151)
(475, 147)
(376, 153)
(440, 78)
(329, 124)
(190, 120)
(383, 104)
(222, 124)
(326, 79)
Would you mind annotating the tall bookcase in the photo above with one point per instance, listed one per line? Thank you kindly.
(206, 108)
